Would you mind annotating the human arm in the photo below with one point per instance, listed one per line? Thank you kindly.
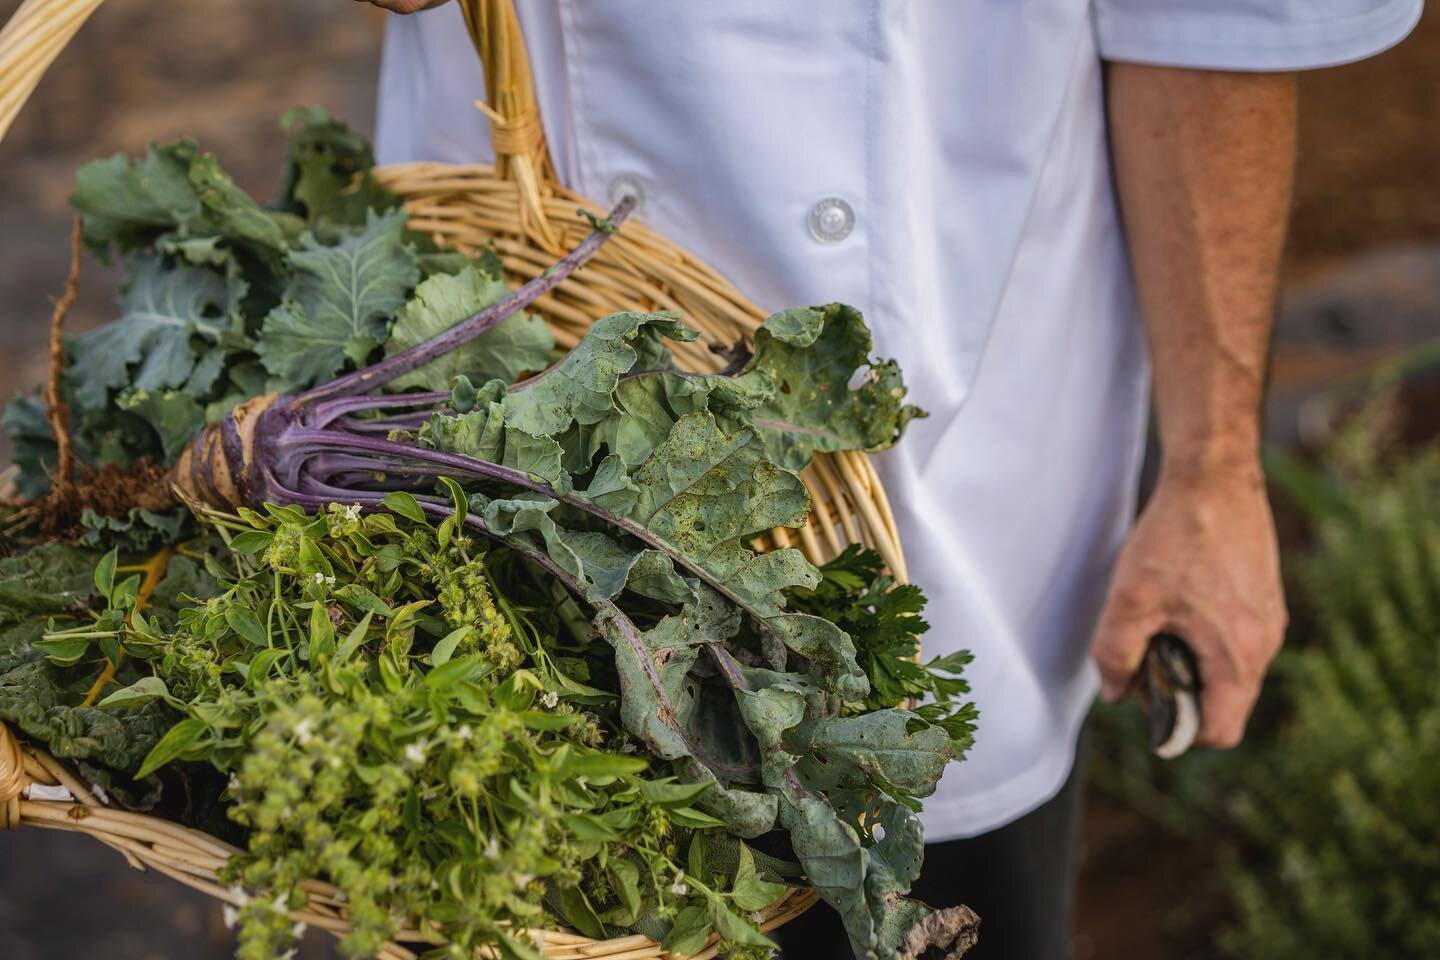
(1203, 163)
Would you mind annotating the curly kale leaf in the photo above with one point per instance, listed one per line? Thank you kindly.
(518, 345)
(149, 347)
(808, 358)
(646, 480)
(176, 189)
(138, 531)
(328, 176)
(339, 301)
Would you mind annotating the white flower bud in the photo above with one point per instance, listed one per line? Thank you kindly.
(305, 731)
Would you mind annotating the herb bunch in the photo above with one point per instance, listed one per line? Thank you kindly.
(440, 760)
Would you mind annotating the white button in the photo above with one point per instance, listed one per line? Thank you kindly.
(831, 220)
(626, 185)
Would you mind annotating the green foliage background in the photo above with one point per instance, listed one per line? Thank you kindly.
(1331, 812)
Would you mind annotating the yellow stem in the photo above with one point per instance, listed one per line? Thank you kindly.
(154, 570)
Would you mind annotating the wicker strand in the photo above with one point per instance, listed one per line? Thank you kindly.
(33, 38)
(12, 780)
(516, 133)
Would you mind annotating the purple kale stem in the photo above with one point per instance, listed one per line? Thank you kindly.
(323, 413)
(315, 440)
(404, 421)
(729, 667)
(379, 374)
(343, 475)
(303, 443)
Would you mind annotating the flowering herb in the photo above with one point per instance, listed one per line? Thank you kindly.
(390, 720)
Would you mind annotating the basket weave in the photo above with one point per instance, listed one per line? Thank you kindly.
(517, 208)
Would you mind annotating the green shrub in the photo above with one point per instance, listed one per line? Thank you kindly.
(1328, 816)
(1338, 815)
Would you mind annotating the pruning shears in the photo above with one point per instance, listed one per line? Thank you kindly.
(1170, 690)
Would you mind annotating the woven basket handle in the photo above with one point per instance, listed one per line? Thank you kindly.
(33, 38)
(516, 133)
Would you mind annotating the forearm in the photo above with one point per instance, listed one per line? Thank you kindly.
(1204, 164)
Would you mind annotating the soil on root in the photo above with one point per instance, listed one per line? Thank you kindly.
(110, 491)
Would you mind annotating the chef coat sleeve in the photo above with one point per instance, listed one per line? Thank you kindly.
(1250, 34)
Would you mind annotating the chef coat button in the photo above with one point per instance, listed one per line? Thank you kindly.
(626, 185)
(831, 220)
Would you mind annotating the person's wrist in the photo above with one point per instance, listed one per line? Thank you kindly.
(1231, 463)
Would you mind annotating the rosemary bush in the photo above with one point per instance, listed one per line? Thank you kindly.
(1340, 821)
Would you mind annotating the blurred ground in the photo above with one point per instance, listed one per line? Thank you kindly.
(1362, 281)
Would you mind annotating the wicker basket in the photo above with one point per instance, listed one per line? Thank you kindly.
(517, 208)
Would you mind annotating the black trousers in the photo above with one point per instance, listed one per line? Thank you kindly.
(1020, 879)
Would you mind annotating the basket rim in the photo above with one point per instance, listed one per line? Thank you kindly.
(193, 857)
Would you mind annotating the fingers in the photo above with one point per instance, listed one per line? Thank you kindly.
(1232, 670)
(1226, 709)
(405, 6)
(1121, 639)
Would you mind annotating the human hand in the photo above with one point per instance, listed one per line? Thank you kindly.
(1202, 562)
(403, 6)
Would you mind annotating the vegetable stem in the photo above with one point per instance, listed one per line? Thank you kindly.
(379, 374)
(154, 569)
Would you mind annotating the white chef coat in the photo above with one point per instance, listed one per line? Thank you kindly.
(976, 229)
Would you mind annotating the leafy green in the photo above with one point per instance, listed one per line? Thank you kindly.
(174, 189)
(519, 344)
(175, 417)
(33, 442)
(149, 346)
(809, 357)
(137, 532)
(328, 178)
(338, 302)
(631, 462)
(43, 682)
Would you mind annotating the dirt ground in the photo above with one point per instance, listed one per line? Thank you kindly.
(222, 72)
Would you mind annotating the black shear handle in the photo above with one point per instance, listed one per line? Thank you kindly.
(1170, 689)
